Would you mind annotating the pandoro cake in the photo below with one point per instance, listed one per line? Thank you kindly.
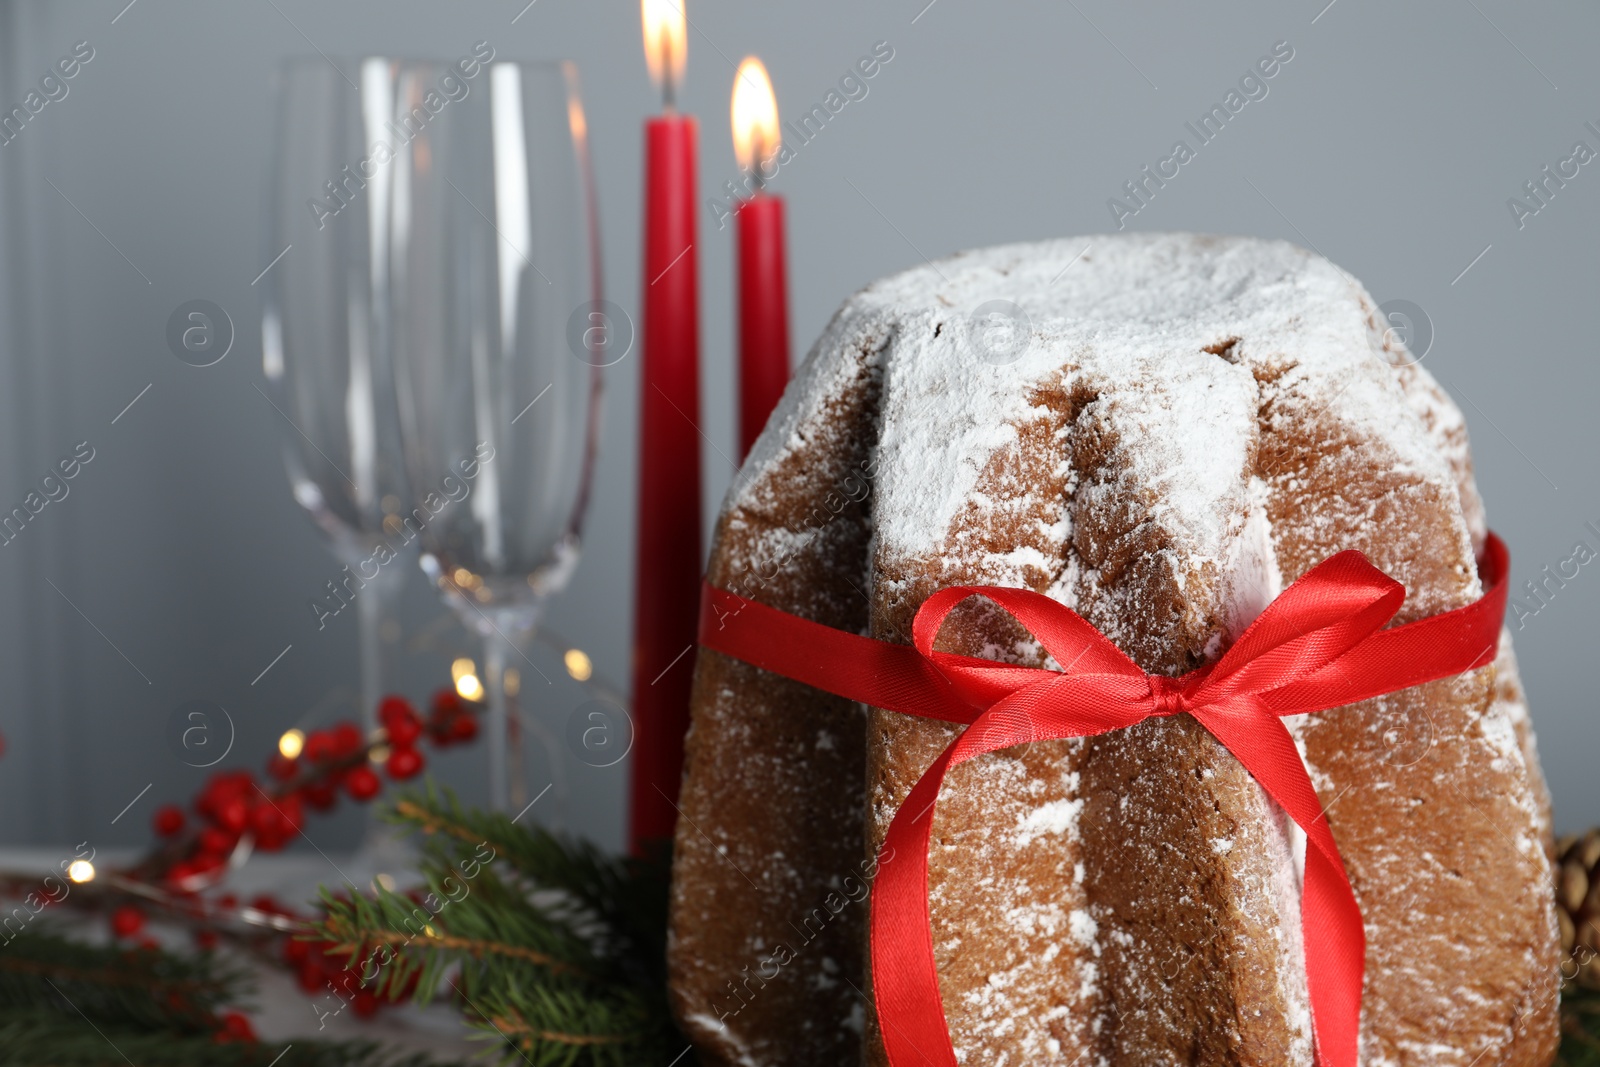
(1160, 432)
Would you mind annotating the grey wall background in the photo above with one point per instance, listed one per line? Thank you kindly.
(1390, 143)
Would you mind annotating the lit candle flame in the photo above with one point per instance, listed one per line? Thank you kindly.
(755, 116)
(666, 44)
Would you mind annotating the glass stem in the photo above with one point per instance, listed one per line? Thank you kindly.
(518, 771)
(498, 735)
(375, 606)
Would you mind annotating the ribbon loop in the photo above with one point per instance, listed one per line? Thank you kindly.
(1320, 644)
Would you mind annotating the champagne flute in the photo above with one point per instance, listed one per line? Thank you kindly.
(494, 275)
(326, 355)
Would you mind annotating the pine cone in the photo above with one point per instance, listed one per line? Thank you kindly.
(1578, 906)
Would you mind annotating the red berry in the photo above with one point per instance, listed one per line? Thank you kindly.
(347, 740)
(365, 1004)
(320, 795)
(464, 727)
(169, 820)
(362, 784)
(404, 763)
(218, 841)
(318, 747)
(282, 767)
(404, 729)
(222, 787)
(310, 978)
(267, 903)
(296, 951)
(235, 1027)
(127, 920)
(292, 812)
(205, 940)
(273, 840)
(264, 818)
(344, 980)
(232, 813)
(274, 822)
(393, 706)
(206, 862)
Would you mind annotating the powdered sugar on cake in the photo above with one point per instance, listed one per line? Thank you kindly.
(1134, 308)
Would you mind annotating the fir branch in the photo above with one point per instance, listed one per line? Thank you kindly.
(555, 950)
(549, 1025)
(141, 988)
(64, 1003)
(423, 819)
(47, 1039)
(475, 926)
(477, 949)
(626, 898)
(520, 1031)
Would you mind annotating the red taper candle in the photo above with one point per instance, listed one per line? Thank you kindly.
(763, 314)
(763, 284)
(667, 582)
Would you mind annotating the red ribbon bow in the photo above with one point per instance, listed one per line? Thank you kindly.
(1319, 645)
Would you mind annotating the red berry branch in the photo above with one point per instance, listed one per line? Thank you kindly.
(236, 812)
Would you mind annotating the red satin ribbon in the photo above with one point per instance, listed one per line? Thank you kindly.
(1319, 645)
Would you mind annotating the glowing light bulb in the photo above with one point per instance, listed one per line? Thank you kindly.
(80, 871)
(291, 744)
(465, 674)
(578, 663)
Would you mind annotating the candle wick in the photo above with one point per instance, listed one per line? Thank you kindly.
(758, 181)
(669, 87)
